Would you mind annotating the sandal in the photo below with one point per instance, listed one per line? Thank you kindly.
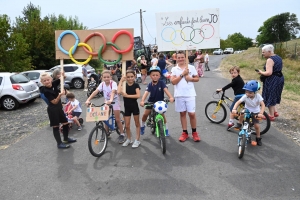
(276, 114)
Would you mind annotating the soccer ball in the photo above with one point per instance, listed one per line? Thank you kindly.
(160, 107)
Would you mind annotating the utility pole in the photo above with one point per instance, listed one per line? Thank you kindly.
(141, 23)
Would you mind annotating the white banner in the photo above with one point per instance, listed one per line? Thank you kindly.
(188, 30)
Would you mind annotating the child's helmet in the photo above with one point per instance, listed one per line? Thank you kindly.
(252, 86)
(154, 68)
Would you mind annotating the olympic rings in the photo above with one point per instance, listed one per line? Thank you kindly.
(180, 33)
(190, 34)
(106, 62)
(60, 38)
(117, 35)
(199, 33)
(87, 60)
(212, 33)
(163, 36)
(89, 37)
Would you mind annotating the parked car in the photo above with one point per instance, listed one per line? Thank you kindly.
(34, 75)
(16, 89)
(228, 51)
(74, 75)
(218, 52)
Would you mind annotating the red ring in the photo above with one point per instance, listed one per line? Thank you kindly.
(89, 37)
(117, 35)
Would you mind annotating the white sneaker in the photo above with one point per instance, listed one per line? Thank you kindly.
(85, 90)
(136, 144)
(126, 143)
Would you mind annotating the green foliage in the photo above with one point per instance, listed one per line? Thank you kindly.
(238, 42)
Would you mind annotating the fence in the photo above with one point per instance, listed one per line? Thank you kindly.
(286, 50)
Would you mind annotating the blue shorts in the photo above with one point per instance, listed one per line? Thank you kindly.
(77, 114)
(236, 98)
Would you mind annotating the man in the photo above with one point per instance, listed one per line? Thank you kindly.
(183, 76)
(174, 57)
(84, 73)
(206, 59)
(191, 58)
(130, 64)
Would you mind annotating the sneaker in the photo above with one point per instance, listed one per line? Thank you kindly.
(63, 146)
(183, 137)
(167, 133)
(79, 128)
(258, 141)
(238, 126)
(126, 143)
(230, 126)
(142, 130)
(85, 90)
(70, 140)
(276, 114)
(121, 139)
(136, 144)
(196, 137)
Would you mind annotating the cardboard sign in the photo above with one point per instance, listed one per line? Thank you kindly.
(95, 114)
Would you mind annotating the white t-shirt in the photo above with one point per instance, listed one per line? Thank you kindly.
(206, 58)
(184, 88)
(253, 105)
(76, 103)
(154, 62)
(108, 89)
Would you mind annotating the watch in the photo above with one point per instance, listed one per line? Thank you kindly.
(181, 75)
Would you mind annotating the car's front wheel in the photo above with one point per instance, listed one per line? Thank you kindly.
(77, 83)
(9, 103)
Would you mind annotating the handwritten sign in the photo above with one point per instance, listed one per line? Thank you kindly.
(94, 114)
(188, 30)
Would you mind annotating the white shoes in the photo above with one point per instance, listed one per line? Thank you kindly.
(136, 144)
(126, 143)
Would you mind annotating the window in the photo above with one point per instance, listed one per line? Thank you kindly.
(69, 69)
(1, 80)
(33, 75)
(19, 78)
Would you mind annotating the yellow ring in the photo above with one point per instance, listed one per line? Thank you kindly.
(182, 40)
(87, 60)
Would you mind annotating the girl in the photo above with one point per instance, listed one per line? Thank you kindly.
(199, 60)
(144, 69)
(109, 88)
(55, 112)
(131, 106)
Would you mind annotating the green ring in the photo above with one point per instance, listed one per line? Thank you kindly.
(106, 62)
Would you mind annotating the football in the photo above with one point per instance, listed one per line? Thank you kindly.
(160, 107)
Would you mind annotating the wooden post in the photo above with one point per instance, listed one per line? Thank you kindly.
(123, 74)
(186, 57)
(62, 80)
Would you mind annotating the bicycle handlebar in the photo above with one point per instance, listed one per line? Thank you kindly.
(100, 105)
(152, 103)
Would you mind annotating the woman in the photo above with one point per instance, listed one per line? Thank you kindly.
(199, 60)
(162, 63)
(274, 80)
(143, 69)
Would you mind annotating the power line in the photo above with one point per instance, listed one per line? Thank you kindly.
(147, 28)
(115, 20)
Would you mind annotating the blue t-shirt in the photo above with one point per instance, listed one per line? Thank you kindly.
(156, 91)
(162, 64)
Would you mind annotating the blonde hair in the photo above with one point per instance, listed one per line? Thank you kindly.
(106, 72)
(44, 76)
(234, 68)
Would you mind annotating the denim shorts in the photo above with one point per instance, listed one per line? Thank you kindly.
(236, 98)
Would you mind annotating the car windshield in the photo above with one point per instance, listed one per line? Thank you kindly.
(19, 78)
(33, 75)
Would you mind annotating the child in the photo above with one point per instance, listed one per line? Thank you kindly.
(237, 85)
(156, 89)
(74, 110)
(55, 112)
(254, 103)
(109, 88)
(92, 82)
(131, 106)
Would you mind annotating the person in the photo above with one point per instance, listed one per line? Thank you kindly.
(154, 60)
(74, 110)
(55, 110)
(162, 65)
(183, 76)
(56, 74)
(84, 74)
(156, 88)
(274, 80)
(114, 70)
(191, 58)
(237, 84)
(131, 106)
(254, 104)
(199, 60)
(92, 82)
(109, 89)
(206, 60)
(174, 57)
(144, 69)
(99, 75)
(130, 64)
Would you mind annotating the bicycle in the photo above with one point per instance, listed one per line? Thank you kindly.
(216, 112)
(95, 138)
(157, 125)
(244, 136)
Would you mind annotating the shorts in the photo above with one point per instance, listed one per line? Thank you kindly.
(56, 115)
(116, 105)
(254, 120)
(144, 71)
(132, 109)
(236, 98)
(183, 104)
(77, 114)
(149, 107)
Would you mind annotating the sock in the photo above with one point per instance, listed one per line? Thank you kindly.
(66, 132)
(56, 135)
(166, 126)
(185, 131)
(122, 134)
(143, 123)
(231, 121)
(193, 130)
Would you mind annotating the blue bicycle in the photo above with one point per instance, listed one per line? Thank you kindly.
(98, 137)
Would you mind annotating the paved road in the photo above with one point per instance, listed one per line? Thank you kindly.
(35, 169)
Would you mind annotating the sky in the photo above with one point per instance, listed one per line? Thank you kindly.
(235, 16)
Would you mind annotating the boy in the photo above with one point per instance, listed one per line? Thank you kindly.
(254, 103)
(156, 88)
(74, 110)
(237, 85)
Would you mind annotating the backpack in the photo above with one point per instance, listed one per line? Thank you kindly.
(44, 98)
(109, 84)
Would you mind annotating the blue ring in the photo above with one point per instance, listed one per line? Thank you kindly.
(60, 38)
(163, 37)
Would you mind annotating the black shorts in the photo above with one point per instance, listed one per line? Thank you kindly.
(77, 114)
(132, 109)
(56, 115)
(254, 120)
(149, 107)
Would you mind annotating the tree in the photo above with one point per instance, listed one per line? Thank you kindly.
(279, 28)
(239, 42)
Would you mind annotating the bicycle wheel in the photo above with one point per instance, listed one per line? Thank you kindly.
(162, 137)
(97, 141)
(122, 121)
(242, 145)
(264, 125)
(214, 112)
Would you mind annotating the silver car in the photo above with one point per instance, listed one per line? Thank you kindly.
(34, 75)
(16, 89)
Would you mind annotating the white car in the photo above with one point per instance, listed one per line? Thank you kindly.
(218, 52)
(228, 51)
(16, 89)
(34, 75)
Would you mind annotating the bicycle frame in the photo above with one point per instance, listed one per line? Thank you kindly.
(111, 119)
(223, 101)
(157, 118)
(245, 129)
